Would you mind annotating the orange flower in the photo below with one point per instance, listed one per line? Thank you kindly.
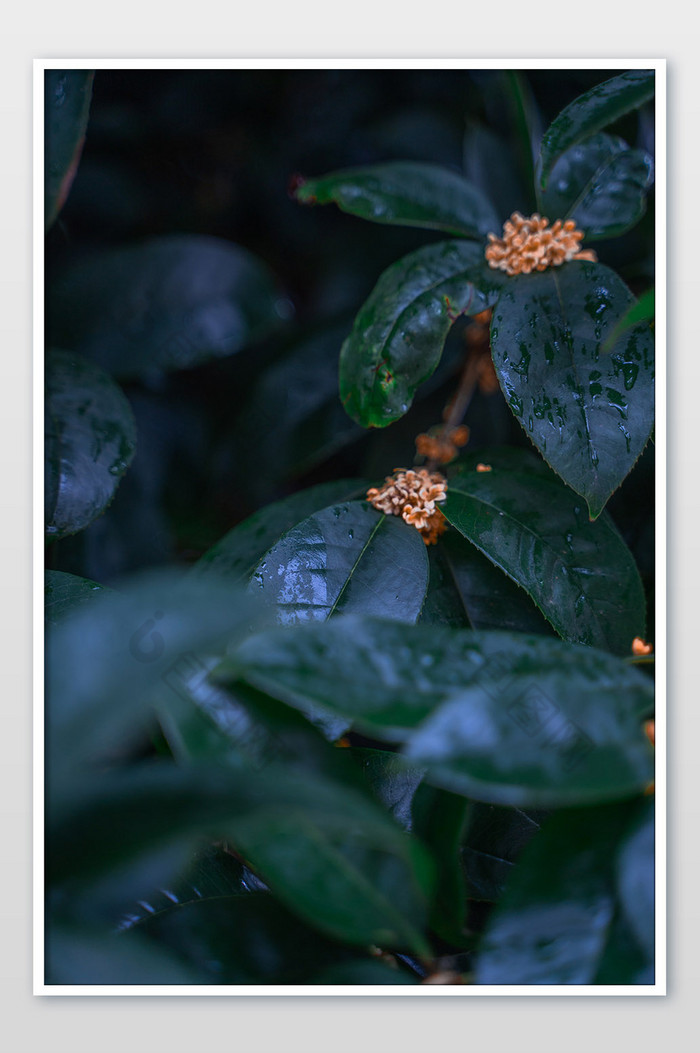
(531, 244)
(640, 647)
(413, 495)
(442, 446)
(483, 467)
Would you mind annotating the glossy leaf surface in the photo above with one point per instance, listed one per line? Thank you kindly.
(499, 717)
(347, 558)
(556, 919)
(407, 193)
(589, 414)
(601, 184)
(398, 335)
(237, 554)
(90, 442)
(580, 574)
(592, 111)
(67, 94)
(169, 303)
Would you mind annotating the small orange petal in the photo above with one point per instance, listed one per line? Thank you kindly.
(640, 647)
(483, 467)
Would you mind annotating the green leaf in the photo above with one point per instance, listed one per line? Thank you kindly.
(67, 94)
(80, 954)
(66, 593)
(112, 658)
(486, 598)
(602, 105)
(406, 193)
(237, 554)
(641, 311)
(169, 303)
(494, 839)
(328, 853)
(601, 184)
(556, 919)
(367, 971)
(580, 574)
(347, 558)
(392, 781)
(438, 820)
(90, 442)
(248, 939)
(399, 332)
(589, 416)
(500, 717)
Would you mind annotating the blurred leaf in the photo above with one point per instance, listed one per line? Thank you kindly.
(438, 820)
(77, 954)
(324, 850)
(499, 717)
(168, 303)
(67, 94)
(237, 554)
(293, 419)
(601, 184)
(556, 917)
(367, 971)
(589, 417)
(407, 193)
(106, 664)
(391, 780)
(641, 311)
(66, 593)
(399, 332)
(347, 558)
(213, 874)
(489, 162)
(580, 574)
(251, 939)
(90, 441)
(601, 106)
(493, 841)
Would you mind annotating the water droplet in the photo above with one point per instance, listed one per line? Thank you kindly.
(351, 534)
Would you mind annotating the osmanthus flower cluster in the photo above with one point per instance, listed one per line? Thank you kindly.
(413, 494)
(532, 245)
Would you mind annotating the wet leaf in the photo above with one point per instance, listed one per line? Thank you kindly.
(407, 193)
(169, 303)
(580, 574)
(601, 184)
(499, 717)
(347, 558)
(590, 415)
(399, 332)
(589, 113)
(90, 442)
(556, 920)
(67, 94)
(237, 554)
